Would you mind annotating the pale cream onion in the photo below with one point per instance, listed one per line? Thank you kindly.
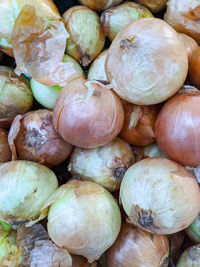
(190, 257)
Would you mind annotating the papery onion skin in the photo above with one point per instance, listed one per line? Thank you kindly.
(190, 257)
(139, 124)
(193, 230)
(190, 44)
(194, 67)
(87, 114)
(84, 218)
(176, 127)
(86, 36)
(151, 60)
(24, 188)
(153, 5)
(116, 18)
(104, 165)
(97, 69)
(99, 5)
(5, 152)
(136, 248)
(183, 16)
(160, 196)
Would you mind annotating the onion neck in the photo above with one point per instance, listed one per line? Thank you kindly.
(119, 173)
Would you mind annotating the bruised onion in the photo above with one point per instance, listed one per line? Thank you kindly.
(116, 18)
(151, 60)
(193, 230)
(136, 248)
(139, 124)
(97, 69)
(183, 16)
(99, 5)
(153, 5)
(105, 165)
(194, 68)
(160, 196)
(83, 218)
(190, 44)
(33, 137)
(190, 257)
(24, 188)
(86, 36)
(176, 127)
(88, 114)
(5, 152)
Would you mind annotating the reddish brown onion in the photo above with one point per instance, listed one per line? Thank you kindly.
(87, 114)
(194, 68)
(5, 152)
(33, 137)
(177, 127)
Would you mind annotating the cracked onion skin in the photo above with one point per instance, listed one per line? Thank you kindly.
(160, 196)
(5, 152)
(87, 114)
(151, 59)
(137, 248)
(153, 5)
(99, 5)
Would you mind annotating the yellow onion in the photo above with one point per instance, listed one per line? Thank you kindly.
(190, 44)
(86, 36)
(194, 67)
(147, 62)
(99, 5)
(176, 242)
(83, 218)
(136, 248)
(153, 5)
(16, 96)
(79, 261)
(139, 124)
(33, 137)
(160, 196)
(39, 43)
(105, 165)
(97, 69)
(190, 257)
(87, 114)
(24, 188)
(183, 16)
(116, 18)
(193, 230)
(5, 152)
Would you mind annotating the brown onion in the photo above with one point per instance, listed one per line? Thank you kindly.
(5, 152)
(99, 5)
(183, 16)
(79, 261)
(87, 114)
(97, 69)
(153, 5)
(177, 127)
(190, 44)
(136, 248)
(190, 257)
(33, 137)
(194, 68)
(151, 60)
(139, 124)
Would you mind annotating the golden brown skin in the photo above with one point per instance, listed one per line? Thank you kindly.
(153, 5)
(5, 152)
(194, 68)
(99, 5)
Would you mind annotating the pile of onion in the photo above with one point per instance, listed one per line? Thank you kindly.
(99, 5)
(5, 152)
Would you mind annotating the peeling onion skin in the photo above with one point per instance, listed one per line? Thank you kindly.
(83, 218)
(190, 257)
(176, 127)
(183, 16)
(99, 5)
(34, 138)
(193, 230)
(97, 69)
(151, 59)
(190, 44)
(5, 152)
(153, 5)
(194, 68)
(160, 196)
(87, 114)
(39, 45)
(136, 248)
(139, 124)
(86, 38)
(104, 165)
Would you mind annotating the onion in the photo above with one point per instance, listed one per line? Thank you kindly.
(83, 218)
(78, 261)
(24, 187)
(153, 5)
(176, 242)
(190, 257)
(99, 5)
(194, 67)
(116, 18)
(39, 43)
(139, 124)
(5, 152)
(34, 138)
(160, 196)
(183, 16)
(193, 230)
(47, 95)
(87, 114)
(97, 69)
(16, 97)
(190, 44)
(135, 247)
(176, 127)
(86, 36)
(151, 60)
(104, 165)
